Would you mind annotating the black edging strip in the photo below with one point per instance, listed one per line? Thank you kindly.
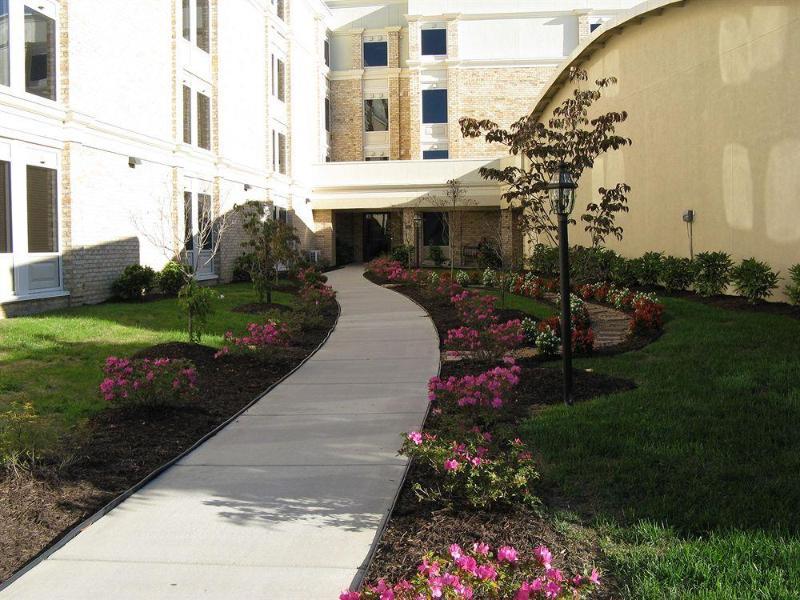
(358, 580)
(89, 521)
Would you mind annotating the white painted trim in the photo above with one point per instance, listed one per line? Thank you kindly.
(43, 295)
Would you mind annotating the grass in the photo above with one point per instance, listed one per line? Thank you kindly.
(693, 479)
(54, 360)
(540, 310)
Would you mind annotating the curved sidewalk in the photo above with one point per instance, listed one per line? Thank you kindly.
(287, 501)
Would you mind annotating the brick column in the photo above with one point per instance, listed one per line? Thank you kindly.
(395, 122)
(325, 235)
(584, 29)
(507, 236)
(357, 49)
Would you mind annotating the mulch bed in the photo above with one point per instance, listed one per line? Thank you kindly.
(120, 447)
(417, 527)
(782, 309)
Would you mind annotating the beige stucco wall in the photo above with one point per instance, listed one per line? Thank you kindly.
(711, 90)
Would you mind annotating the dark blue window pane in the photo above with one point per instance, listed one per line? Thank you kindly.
(434, 106)
(435, 154)
(376, 54)
(434, 42)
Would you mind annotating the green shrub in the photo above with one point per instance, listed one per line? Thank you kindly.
(623, 272)
(754, 279)
(197, 302)
(171, 278)
(489, 278)
(590, 265)
(242, 267)
(134, 283)
(402, 254)
(793, 288)
(544, 261)
(462, 278)
(24, 435)
(648, 268)
(677, 274)
(712, 272)
(436, 254)
(489, 256)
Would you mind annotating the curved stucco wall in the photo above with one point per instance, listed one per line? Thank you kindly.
(712, 91)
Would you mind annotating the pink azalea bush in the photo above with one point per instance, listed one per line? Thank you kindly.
(487, 343)
(487, 390)
(475, 310)
(472, 470)
(480, 574)
(259, 337)
(148, 382)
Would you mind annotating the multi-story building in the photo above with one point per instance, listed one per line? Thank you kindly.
(124, 127)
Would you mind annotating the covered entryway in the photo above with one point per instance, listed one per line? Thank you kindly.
(377, 239)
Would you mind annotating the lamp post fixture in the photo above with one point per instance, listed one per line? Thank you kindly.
(561, 190)
(418, 240)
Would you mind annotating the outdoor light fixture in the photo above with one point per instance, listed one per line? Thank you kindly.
(417, 241)
(133, 161)
(246, 187)
(561, 190)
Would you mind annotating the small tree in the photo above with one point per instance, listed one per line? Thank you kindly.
(270, 243)
(451, 206)
(192, 250)
(570, 138)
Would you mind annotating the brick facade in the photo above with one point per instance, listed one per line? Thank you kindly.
(347, 120)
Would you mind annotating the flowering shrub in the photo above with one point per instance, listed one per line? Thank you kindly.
(647, 316)
(489, 343)
(433, 278)
(475, 310)
(472, 470)
(530, 328)
(310, 276)
(148, 382)
(526, 285)
(462, 278)
(486, 390)
(481, 574)
(547, 342)
(315, 297)
(383, 268)
(489, 278)
(259, 337)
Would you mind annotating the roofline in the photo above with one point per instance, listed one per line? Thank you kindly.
(585, 50)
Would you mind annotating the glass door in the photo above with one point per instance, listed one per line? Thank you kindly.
(376, 235)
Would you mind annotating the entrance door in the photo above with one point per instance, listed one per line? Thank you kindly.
(376, 235)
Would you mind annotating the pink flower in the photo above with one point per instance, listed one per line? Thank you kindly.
(507, 554)
(543, 556)
(416, 437)
(595, 577)
(486, 572)
(481, 548)
(349, 596)
(455, 551)
(451, 464)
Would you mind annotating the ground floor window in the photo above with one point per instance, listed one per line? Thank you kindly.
(434, 229)
(199, 235)
(30, 259)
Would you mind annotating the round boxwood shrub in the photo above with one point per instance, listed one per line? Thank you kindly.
(134, 283)
(402, 254)
(622, 272)
(754, 279)
(712, 272)
(677, 273)
(171, 278)
(648, 268)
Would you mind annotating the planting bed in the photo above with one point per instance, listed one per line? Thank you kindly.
(122, 446)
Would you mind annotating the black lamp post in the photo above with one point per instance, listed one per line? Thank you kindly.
(418, 220)
(562, 200)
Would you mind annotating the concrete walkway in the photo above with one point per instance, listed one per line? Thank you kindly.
(287, 501)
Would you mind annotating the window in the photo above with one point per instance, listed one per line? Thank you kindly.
(40, 54)
(5, 33)
(376, 114)
(435, 154)
(434, 42)
(376, 54)
(203, 121)
(5, 208)
(205, 222)
(434, 106)
(42, 211)
(203, 28)
(376, 158)
(280, 9)
(187, 21)
(188, 218)
(281, 72)
(434, 229)
(326, 51)
(327, 114)
(594, 26)
(280, 214)
(187, 114)
(282, 153)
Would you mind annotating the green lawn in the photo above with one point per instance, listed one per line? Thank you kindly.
(537, 309)
(694, 477)
(55, 360)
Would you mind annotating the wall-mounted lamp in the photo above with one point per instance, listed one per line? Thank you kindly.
(247, 187)
(133, 161)
(308, 200)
